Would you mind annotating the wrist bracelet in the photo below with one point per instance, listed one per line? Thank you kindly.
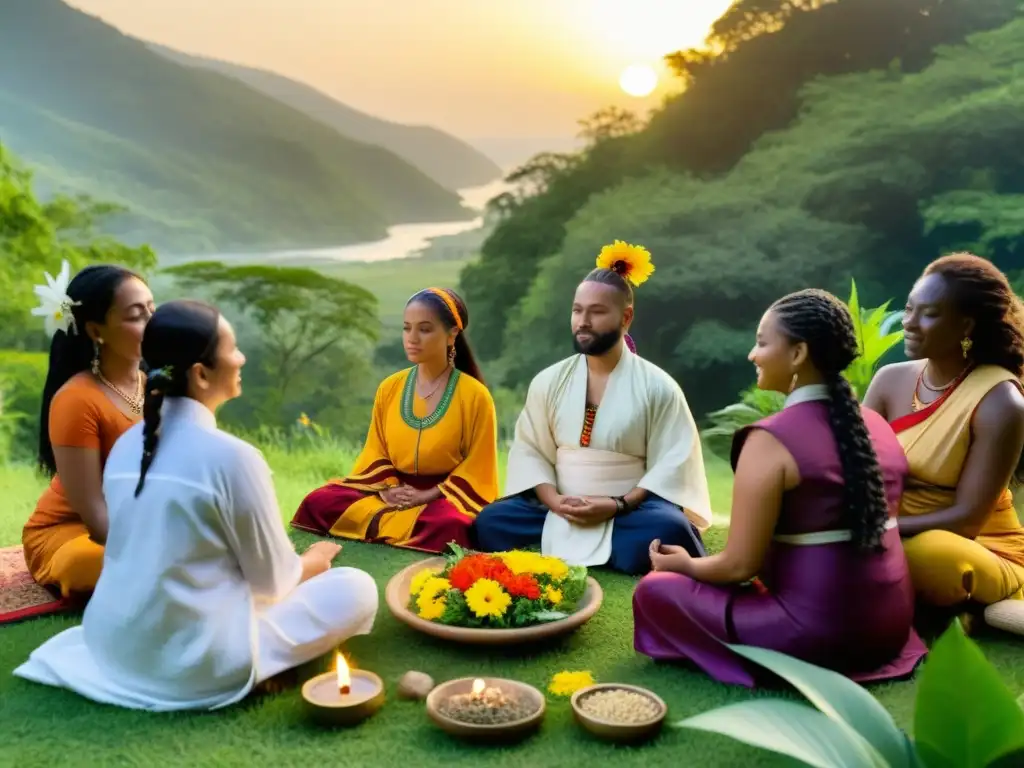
(621, 507)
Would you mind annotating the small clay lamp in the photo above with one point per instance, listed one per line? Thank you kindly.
(343, 697)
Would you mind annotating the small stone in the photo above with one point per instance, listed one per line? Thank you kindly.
(415, 685)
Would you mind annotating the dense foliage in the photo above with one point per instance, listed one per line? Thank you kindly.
(204, 161)
(879, 172)
(308, 337)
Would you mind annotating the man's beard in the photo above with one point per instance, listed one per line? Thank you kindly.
(599, 343)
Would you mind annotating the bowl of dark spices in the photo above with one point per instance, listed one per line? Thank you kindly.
(488, 709)
(619, 712)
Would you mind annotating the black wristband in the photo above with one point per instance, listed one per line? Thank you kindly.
(621, 507)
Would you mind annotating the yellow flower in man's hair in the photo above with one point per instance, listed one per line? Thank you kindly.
(553, 595)
(420, 579)
(567, 683)
(487, 598)
(432, 610)
(631, 262)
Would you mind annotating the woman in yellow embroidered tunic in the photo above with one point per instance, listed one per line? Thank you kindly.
(958, 410)
(430, 462)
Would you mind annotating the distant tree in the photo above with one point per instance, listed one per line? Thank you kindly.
(35, 236)
(608, 123)
(536, 175)
(301, 314)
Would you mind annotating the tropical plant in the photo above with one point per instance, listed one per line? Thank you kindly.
(964, 715)
(874, 339)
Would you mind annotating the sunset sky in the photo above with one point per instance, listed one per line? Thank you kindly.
(477, 68)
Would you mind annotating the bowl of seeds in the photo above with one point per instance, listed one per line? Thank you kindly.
(619, 712)
(487, 709)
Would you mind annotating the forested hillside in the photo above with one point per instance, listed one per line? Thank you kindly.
(205, 162)
(819, 144)
(444, 158)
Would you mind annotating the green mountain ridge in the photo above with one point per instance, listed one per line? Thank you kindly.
(448, 160)
(203, 161)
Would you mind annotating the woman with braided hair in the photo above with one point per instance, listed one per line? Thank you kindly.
(958, 410)
(202, 596)
(430, 460)
(814, 517)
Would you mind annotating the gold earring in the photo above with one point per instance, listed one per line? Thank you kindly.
(965, 345)
(451, 355)
(792, 383)
(96, 358)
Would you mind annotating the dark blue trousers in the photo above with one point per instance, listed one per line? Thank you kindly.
(518, 521)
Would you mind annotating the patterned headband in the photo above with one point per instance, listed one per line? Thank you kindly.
(450, 303)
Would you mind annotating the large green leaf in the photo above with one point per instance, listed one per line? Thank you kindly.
(841, 700)
(965, 715)
(787, 728)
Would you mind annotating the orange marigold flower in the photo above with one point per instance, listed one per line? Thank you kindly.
(469, 570)
(522, 585)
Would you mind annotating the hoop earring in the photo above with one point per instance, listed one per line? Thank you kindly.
(965, 345)
(95, 358)
(451, 355)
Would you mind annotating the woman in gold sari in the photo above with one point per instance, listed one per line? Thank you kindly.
(958, 410)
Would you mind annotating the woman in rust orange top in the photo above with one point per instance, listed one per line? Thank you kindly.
(93, 393)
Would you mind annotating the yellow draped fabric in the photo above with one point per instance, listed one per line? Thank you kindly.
(947, 568)
(456, 444)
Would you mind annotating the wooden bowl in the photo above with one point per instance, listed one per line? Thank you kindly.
(397, 597)
(616, 731)
(501, 732)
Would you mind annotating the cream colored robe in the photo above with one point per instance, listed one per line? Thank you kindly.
(644, 436)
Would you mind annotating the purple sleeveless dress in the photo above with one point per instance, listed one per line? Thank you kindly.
(825, 603)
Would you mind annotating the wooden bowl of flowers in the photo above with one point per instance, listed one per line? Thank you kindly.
(619, 712)
(503, 598)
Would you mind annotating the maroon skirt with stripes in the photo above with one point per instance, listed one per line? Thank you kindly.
(437, 524)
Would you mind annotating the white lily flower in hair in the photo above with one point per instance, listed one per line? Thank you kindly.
(54, 303)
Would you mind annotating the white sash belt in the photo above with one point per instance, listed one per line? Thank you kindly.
(823, 537)
(588, 472)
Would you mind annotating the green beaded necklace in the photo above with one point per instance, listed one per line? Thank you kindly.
(409, 395)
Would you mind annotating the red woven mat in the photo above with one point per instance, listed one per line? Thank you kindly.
(20, 596)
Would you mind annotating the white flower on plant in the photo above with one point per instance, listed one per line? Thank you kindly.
(54, 303)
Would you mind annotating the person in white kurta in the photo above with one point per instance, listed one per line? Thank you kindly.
(642, 436)
(200, 596)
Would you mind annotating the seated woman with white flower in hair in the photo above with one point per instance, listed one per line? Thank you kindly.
(93, 393)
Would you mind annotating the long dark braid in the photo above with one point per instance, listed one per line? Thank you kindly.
(179, 335)
(157, 384)
(823, 322)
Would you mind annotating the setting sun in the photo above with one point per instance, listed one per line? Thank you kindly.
(638, 80)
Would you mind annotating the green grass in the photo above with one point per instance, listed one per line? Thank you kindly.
(44, 726)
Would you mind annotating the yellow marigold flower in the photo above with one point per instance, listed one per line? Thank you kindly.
(304, 420)
(567, 683)
(553, 595)
(432, 610)
(433, 588)
(632, 262)
(487, 598)
(420, 579)
(520, 561)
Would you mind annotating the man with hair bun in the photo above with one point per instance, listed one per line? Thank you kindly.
(606, 456)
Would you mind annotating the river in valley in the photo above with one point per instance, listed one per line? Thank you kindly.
(403, 240)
